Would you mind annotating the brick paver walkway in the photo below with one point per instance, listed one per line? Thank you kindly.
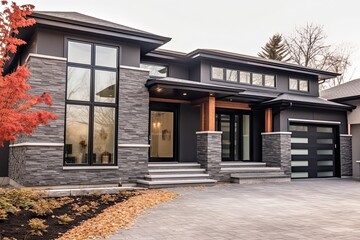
(307, 209)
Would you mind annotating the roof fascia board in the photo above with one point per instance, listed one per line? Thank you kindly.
(97, 30)
(314, 105)
(344, 99)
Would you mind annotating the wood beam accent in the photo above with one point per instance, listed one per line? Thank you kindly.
(207, 114)
(232, 105)
(167, 100)
(268, 120)
(202, 117)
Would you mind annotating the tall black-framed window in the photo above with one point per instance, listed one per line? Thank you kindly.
(91, 104)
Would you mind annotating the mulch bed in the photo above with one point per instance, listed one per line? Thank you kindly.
(16, 227)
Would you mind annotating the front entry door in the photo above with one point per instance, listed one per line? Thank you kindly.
(235, 141)
(162, 135)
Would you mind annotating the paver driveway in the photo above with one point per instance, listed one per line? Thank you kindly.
(307, 209)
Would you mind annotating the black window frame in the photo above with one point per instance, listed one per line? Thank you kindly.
(92, 103)
(224, 79)
(298, 85)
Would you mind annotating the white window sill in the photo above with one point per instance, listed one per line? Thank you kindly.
(90, 167)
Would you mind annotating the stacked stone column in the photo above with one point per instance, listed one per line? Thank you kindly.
(209, 152)
(276, 150)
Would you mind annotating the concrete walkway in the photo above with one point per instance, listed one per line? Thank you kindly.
(303, 209)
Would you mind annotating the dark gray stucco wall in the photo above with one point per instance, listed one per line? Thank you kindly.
(52, 42)
(194, 72)
(4, 160)
(282, 78)
(281, 122)
(189, 124)
(257, 127)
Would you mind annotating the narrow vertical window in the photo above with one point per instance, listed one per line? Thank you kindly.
(91, 104)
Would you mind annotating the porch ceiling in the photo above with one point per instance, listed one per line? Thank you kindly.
(171, 88)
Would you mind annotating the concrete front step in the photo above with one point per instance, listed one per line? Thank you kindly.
(259, 175)
(176, 177)
(242, 164)
(173, 165)
(252, 169)
(236, 178)
(176, 171)
(175, 183)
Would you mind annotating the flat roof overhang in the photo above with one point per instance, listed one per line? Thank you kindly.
(259, 62)
(190, 90)
(294, 103)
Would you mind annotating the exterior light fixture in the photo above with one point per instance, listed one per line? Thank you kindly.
(159, 89)
(184, 94)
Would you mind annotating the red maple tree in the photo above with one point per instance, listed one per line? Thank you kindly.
(17, 115)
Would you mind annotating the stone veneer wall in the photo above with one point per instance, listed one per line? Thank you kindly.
(42, 164)
(133, 134)
(346, 155)
(209, 152)
(276, 150)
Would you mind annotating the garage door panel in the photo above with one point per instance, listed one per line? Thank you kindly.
(312, 151)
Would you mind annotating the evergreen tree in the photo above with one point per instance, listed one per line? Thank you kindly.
(275, 49)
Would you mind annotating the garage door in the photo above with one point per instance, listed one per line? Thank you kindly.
(312, 151)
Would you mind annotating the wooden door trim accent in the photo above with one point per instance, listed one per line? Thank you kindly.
(232, 105)
(268, 120)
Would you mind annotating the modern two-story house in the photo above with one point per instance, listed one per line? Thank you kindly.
(131, 112)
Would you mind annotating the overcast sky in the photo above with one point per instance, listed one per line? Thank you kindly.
(230, 25)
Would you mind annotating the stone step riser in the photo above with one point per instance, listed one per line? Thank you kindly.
(252, 170)
(176, 171)
(174, 178)
(260, 175)
(242, 165)
(260, 180)
(176, 185)
(174, 167)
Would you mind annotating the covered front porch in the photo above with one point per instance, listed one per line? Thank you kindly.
(182, 109)
(217, 127)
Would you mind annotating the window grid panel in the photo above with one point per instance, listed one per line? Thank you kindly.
(217, 73)
(269, 80)
(324, 152)
(298, 128)
(325, 163)
(231, 75)
(299, 140)
(299, 152)
(325, 174)
(299, 175)
(299, 163)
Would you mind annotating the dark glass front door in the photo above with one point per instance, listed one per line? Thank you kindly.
(235, 140)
